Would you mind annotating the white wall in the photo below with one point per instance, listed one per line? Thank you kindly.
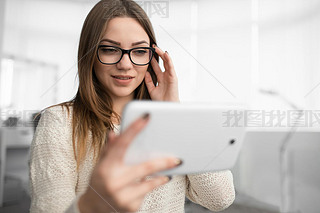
(48, 32)
(222, 50)
(289, 51)
(2, 11)
(210, 48)
(201, 47)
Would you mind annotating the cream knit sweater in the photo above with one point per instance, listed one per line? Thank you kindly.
(55, 185)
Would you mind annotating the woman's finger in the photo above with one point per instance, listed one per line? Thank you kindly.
(108, 143)
(152, 166)
(148, 168)
(138, 191)
(111, 136)
(163, 57)
(156, 69)
(133, 196)
(167, 62)
(148, 185)
(149, 83)
(122, 141)
(159, 52)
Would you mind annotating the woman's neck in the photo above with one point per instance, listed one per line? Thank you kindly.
(118, 105)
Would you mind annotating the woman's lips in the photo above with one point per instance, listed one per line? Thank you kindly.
(122, 76)
(122, 81)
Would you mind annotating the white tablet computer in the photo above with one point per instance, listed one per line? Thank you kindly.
(207, 137)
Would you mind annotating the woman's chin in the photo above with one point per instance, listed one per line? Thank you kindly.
(124, 93)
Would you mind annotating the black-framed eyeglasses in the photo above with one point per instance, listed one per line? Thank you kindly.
(112, 55)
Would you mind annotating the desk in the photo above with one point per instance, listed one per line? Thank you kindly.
(12, 138)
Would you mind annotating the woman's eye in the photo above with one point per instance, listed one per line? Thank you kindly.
(140, 52)
(109, 50)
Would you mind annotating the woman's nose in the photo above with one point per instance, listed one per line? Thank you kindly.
(125, 62)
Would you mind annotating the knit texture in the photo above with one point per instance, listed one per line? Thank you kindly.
(56, 186)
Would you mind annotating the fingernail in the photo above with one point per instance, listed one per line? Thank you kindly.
(178, 162)
(146, 116)
(167, 52)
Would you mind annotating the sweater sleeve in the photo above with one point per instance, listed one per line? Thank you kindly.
(213, 190)
(52, 166)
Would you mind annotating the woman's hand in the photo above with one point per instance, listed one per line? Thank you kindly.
(167, 89)
(114, 186)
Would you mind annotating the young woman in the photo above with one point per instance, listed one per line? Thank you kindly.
(76, 162)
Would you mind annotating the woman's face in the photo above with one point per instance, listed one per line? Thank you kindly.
(125, 33)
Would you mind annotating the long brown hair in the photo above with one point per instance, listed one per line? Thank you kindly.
(92, 105)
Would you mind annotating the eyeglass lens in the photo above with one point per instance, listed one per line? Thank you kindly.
(110, 55)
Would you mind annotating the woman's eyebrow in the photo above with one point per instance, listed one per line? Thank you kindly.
(118, 43)
(111, 41)
(139, 42)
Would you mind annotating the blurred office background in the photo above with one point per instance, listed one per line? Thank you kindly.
(261, 53)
